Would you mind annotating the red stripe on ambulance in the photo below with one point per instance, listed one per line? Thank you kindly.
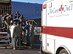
(58, 31)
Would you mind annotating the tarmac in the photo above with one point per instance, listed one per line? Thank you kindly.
(20, 51)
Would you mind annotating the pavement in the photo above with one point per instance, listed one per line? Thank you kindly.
(22, 51)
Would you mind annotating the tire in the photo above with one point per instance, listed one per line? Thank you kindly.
(63, 51)
(42, 51)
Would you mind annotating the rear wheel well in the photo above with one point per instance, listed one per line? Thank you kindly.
(59, 49)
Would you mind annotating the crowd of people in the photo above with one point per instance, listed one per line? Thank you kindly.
(18, 28)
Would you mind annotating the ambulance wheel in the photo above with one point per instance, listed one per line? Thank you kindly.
(63, 51)
(42, 51)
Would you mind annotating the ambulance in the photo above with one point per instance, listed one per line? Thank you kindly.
(57, 27)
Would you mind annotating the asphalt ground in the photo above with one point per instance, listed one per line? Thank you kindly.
(19, 51)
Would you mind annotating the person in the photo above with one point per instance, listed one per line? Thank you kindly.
(27, 30)
(21, 18)
(31, 34)
(17, 35)
(17, 15)
(11, 28)
(7, 22)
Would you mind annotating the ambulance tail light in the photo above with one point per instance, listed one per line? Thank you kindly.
(44, 6)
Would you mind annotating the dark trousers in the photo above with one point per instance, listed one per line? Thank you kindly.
(19, 42)
(28, 40)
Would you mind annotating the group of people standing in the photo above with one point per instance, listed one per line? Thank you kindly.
(18, 27)
(16, 30)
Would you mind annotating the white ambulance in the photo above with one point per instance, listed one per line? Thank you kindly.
(57, 27)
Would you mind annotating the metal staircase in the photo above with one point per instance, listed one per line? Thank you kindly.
(4, 38)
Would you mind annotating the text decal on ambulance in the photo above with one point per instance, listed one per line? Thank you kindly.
(61, 9)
